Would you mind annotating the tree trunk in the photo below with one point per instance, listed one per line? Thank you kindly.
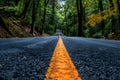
(66, 22)
(79, 11)
(34, 11)
(103, 22)
(113, 19)
(33, 18)
(53, 14)
(44, 15)
(118, 4)
(25, 8)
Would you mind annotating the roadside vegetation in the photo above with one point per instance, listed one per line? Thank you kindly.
(86, 18)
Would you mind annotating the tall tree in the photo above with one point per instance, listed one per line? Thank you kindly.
(53, 14)
(79, 11)
(34, 11)
(33, 18)
(44, 15)
(103, 22)
(112, 18)
(65, 17)
(66, 21)
(27, 2)
(118, 5)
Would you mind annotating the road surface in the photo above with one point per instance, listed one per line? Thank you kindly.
(95, 59)
(29, 58)
(61, 66)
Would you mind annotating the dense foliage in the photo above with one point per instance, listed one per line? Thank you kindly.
(89, 18)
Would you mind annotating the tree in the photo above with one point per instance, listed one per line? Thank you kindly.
(79, 10)
(112, 17)
(89, 18)
(101, 10)
(118, 5)
(33, 18)
(34, 11)
(27, 2)
(44, 14)
(53, 14)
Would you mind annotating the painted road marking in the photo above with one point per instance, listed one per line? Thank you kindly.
(61, 66)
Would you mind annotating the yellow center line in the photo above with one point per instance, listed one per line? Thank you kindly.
(61, 66)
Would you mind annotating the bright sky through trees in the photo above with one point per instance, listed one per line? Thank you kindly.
(62, 3)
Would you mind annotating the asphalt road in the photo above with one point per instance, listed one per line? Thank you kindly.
(28, 58)
(95, 59)
(25, 58)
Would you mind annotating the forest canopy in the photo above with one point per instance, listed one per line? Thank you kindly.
(87, 18)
